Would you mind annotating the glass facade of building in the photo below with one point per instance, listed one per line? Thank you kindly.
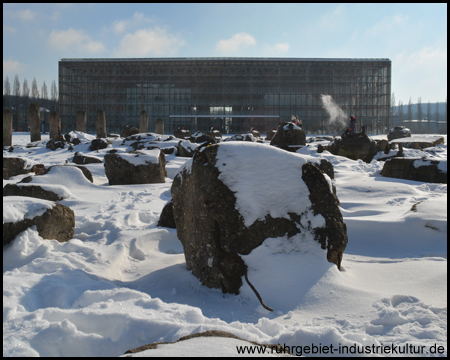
(233, 94)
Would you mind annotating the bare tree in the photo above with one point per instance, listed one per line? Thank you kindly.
(410, 112)
(16, 101)
(44, 95)
(34, 91)
(54, 94)
(419, 109)
(16, 86)
(400, 112)
(428, 116)
(26, 99)
(437, 112)
(7, 93)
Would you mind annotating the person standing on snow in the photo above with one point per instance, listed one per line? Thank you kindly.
(352, 127)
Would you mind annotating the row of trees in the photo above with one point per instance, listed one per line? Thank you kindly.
(418, 111)
(18, 97)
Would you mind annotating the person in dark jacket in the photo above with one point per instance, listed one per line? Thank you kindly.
(352, 127)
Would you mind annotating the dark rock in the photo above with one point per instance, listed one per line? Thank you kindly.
(254, 132)
(199, 138)
(358, 146)
(289, 137)
(129, 131)
(101, 143)
(333, 236)
(56, 223)
(120, 171)
(213, 232)
(166, 219)
(80, 158)
(186, 148)
(416, 169)
(13, 166)
(243, 137)
(271, 133)
(72, 137)
(34, 191)
(215, 133)
(182, 133)
(58, 142)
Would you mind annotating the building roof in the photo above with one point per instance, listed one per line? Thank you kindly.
(225, 59)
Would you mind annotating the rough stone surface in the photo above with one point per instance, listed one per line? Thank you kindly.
(289, 137)
(215, 133)
(98, 144)
(166, 219)
(121, 172)
(34, 117)
(213, 232)
(55, 125)
(7, 127)
(57, 142)
(182, 133)
(271, 133)
(159, 126)
(199, 137)
(414, 169)
(31, 191)
(56, 223)
(357, 146)
(128, 131)
(81, 120)
(143, 121)
(100, 125)
(13, 166)
(80, 158)
(242, 137)
(186, 148)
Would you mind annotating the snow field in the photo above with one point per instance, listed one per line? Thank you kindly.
(122, 282)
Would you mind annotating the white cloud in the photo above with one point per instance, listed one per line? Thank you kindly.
(388, 23)
(24, 15)
(75, 39)
(150, 41)
(9, 29)
(13, 66)
(235, 43)
(422, 73)
(137, 20)
(334, 19)
(277, 49)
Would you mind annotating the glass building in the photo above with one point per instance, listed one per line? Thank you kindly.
(233, 94)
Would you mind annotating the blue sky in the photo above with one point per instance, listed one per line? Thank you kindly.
(413, 36)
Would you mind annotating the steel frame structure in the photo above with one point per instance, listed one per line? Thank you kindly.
(219, 91)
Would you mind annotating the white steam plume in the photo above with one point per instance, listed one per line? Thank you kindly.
(337, 116)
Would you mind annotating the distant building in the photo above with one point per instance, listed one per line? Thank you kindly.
(233, 94)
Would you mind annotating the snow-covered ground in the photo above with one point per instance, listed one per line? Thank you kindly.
(122, 282)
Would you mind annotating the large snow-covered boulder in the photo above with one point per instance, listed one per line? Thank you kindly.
(358, 146)
(43, 191)
(418, 169)
(289, 137)
(80, 158)
(137, 167)
(227, 201)
(13, 166)
(52, 220)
